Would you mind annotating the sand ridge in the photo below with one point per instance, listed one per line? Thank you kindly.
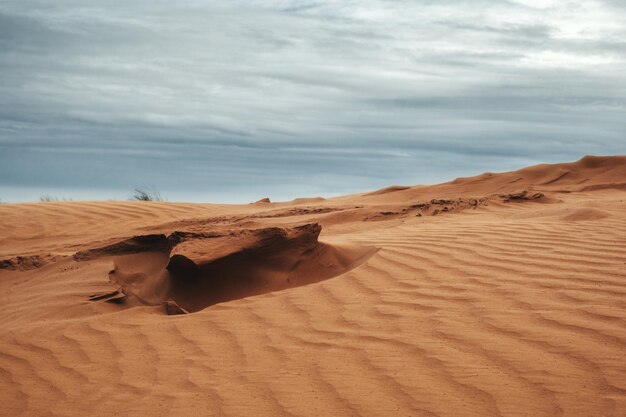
(511, 307)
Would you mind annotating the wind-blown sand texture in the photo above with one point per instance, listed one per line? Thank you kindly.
(497, 295)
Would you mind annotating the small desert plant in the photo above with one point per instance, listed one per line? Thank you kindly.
(46, 198)
(147, 194)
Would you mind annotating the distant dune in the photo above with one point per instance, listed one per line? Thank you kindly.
(502, 294)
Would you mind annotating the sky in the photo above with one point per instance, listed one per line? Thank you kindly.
(232, 101)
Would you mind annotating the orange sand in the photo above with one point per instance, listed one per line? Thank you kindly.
(496, 295)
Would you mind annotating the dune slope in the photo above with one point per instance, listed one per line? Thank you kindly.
(497, 295)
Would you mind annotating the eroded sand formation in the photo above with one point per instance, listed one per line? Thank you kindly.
(182, 272)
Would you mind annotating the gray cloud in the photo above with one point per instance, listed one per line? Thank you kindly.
(236, 100)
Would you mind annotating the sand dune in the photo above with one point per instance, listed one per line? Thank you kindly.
(497, 295)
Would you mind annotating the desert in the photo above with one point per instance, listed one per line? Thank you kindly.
(501, 294)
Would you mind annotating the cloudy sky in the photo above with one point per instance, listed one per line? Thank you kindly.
(231, 101)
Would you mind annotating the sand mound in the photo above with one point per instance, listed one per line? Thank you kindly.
(586, 214)
(201, 273)
(592, 161)
(307, 200)
(387, 190)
